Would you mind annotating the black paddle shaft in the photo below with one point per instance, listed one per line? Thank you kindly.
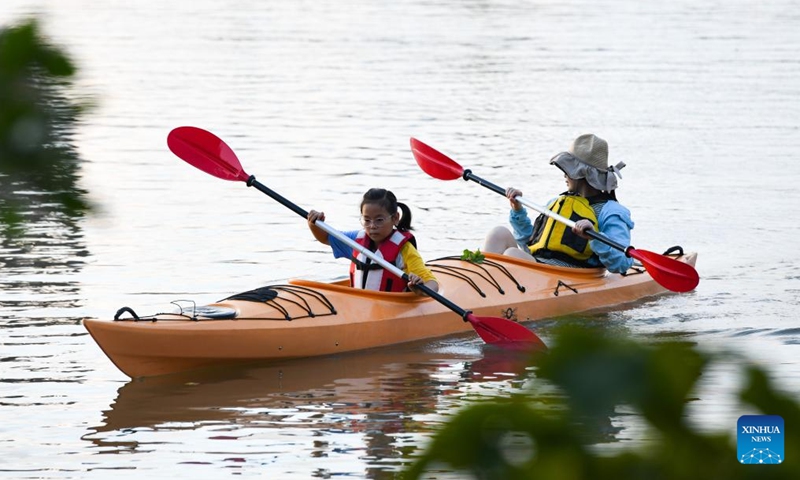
(447, 303)
(252, 182)
(468, 175)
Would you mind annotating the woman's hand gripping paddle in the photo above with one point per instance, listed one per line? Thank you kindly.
(668, 272)
(208, 153)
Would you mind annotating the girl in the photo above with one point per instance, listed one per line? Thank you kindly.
(387, 233)
(590, 201)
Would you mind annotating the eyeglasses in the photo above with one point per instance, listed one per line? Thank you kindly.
(375, 222)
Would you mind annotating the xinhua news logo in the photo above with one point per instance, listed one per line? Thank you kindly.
(759, 439)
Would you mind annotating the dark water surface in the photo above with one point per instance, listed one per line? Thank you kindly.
(318, 99)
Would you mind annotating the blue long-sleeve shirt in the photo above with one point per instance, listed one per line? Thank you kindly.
(614, 221)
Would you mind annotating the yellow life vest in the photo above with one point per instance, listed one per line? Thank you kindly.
(553, 239)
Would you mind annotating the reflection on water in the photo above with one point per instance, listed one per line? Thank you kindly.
(39, 269)
(385, 397)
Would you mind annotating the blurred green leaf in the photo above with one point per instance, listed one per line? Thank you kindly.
(37, 119)
(524, 438)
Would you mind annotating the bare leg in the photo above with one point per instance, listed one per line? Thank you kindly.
(518, 253)
(499, 240)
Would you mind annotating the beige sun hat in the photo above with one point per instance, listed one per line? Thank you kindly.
(587, 158)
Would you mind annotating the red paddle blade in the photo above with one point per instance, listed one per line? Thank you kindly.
(668, 272)
(435, 163)
(502, 331)
(207, 152)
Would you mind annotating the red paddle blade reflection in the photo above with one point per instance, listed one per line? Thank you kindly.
(435, 163)
(503, 332)
(207, 152)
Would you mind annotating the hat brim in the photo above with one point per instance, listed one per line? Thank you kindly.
(575, 169)
(569, 164)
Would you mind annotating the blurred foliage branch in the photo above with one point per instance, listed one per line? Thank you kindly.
(516, 438)
(38, 163)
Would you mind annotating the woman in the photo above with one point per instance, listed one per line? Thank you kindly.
(590, 201)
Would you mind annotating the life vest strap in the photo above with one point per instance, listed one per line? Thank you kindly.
(563, 257)
(366, 266)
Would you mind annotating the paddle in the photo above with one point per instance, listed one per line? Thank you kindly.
(668, 272)
(208, 153)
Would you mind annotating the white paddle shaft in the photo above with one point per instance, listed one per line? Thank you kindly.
(356, 246)
(545, 211)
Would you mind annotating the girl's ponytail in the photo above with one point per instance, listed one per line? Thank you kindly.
(405, 218)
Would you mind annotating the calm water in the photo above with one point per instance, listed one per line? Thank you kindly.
(318, 99)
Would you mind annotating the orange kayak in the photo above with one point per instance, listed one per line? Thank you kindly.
(305, 319)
